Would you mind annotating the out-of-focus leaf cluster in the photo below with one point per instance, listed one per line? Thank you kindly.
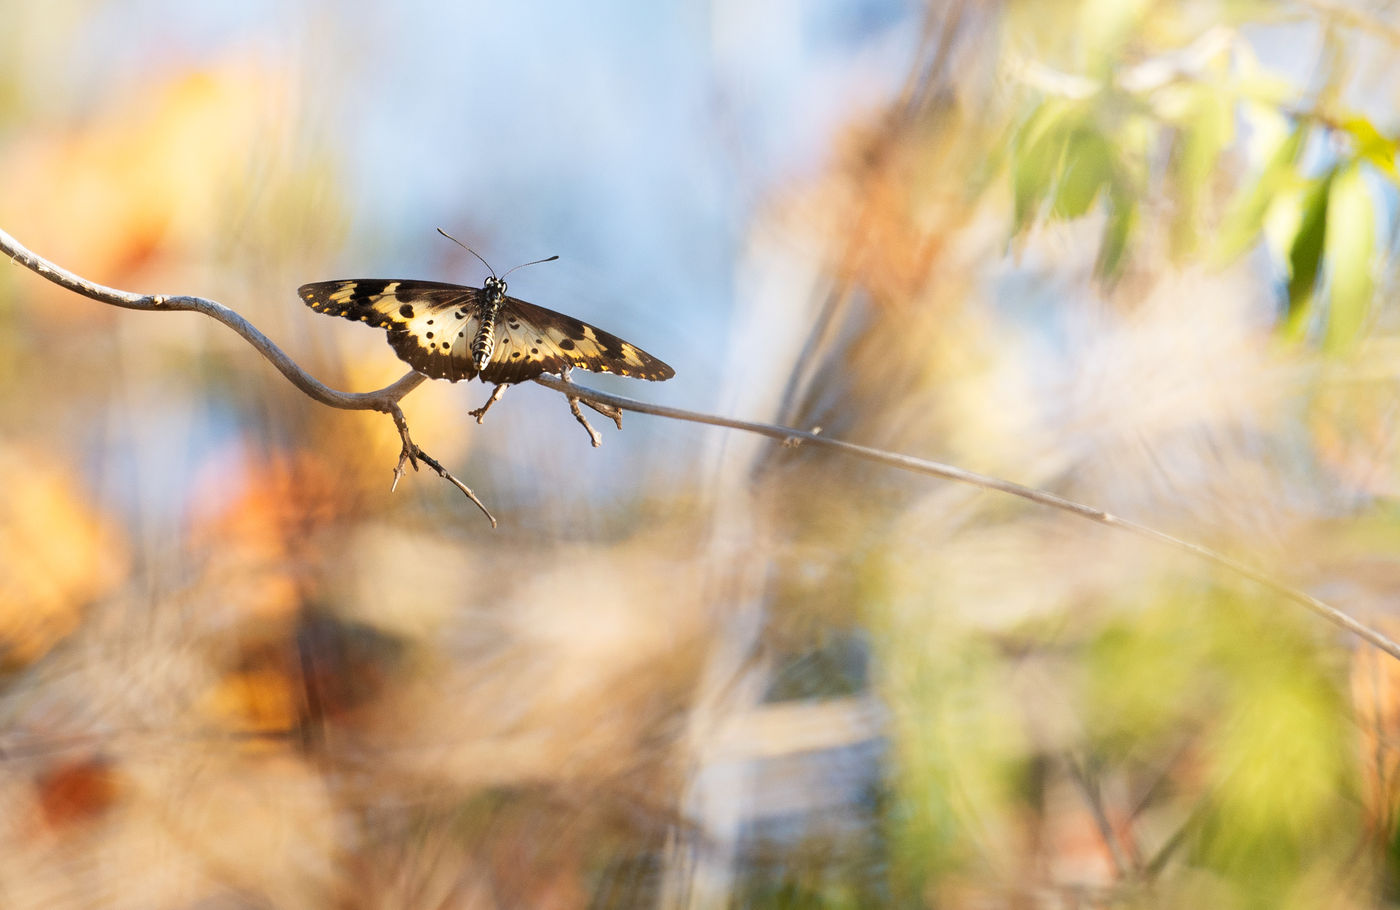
(1213, 145)
(1073, 717)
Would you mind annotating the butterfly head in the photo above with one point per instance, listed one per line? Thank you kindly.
(494, 287)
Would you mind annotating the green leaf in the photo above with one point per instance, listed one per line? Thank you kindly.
(1207, 130)
(1244, 217)
(1351, 240)
(1305, 256)
(1122, 217)
(1373, 147)
(1088, 166)
(1039, 147)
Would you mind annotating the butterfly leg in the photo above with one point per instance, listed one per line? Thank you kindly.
(496, 393)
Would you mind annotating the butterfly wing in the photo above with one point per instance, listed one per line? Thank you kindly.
(430, 324)
(531, 340)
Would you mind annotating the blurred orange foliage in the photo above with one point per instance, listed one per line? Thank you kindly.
(146, 181)
(255, 519)
(57, 555)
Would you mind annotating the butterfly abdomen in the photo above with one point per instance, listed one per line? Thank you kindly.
(485, 341)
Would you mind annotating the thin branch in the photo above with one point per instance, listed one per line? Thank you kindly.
(1093, 798)
(593, 435)
(1356, 18)
(351, 401)
(387, 400)
(412, 454)
(972, 478)
(608, 411)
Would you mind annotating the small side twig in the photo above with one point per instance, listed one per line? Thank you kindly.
(1093, 798)
(612, 413)
(412, 454)
(593, 436)
(793, 442)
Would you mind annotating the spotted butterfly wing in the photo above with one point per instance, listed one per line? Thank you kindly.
(431, 326)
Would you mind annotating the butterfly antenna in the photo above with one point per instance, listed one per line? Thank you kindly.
(476, 254)
(536, 262)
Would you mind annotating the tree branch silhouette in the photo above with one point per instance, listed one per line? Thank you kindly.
(386, 400)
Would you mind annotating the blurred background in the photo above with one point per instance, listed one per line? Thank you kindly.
(1137, 253)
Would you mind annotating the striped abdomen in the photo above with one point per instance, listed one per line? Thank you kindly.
(485, 341)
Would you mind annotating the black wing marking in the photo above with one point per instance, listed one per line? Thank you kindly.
(430, 324)
(532, 340)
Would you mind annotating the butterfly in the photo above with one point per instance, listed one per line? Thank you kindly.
(453, 332)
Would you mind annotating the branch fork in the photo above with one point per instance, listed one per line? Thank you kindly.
(411, 454)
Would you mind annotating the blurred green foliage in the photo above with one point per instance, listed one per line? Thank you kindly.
(1160, 127)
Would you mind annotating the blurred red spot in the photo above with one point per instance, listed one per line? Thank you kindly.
(75, 792)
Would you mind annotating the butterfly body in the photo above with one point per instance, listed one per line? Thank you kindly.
(485, 341)
(453, 332)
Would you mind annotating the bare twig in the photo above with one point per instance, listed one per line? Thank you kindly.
(1356, 18)
(387, 400)
(948, 472)
(1093, 798)
(412, 454)
(593, 436)
(793, 442)
(350, 401)
(608, 411)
